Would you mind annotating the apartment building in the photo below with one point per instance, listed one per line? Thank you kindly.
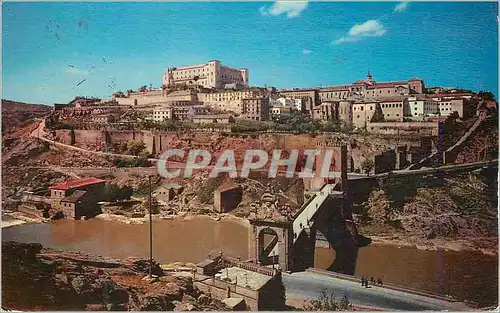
(394, 109)
(210, 75)
(230, 100)
(448, 105)
(363, 113)
(422, 106)
(256, 109)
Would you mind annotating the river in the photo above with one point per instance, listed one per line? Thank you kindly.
(465, 275)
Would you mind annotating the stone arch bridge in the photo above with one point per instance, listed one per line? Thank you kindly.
(290, 243)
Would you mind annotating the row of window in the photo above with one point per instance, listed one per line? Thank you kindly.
(391, 105)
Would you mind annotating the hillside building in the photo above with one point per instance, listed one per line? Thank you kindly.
(77, 198)
(422, 107)
(210, 75)
(256, 109)
(230, 100)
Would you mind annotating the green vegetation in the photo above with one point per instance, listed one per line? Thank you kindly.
(113, 193)
(62, 125)
(138, 162)
(135, 147)
(206, 191)
(327, 302)
(367, 165)
(487, 95)
(296, 122)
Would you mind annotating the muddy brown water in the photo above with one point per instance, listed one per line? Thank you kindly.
(465, 275)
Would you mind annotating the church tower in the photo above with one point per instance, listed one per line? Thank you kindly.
(369, 78)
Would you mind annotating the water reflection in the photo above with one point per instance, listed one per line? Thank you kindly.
(465, 275)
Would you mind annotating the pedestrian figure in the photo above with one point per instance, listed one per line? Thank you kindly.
(372, 280)
(362, 281)
(379, 281)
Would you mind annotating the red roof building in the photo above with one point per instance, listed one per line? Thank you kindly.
(77, 183)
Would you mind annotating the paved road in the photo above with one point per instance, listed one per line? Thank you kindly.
(310, 285)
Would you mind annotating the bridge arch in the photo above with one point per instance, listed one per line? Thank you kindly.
(268, 240)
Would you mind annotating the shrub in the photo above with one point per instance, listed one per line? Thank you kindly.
(327, 302)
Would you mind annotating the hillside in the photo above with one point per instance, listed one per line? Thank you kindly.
(17, 114)
(460, 210)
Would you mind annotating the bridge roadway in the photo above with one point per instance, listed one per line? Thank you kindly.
(310, 284)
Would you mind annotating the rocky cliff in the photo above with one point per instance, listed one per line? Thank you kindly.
(34, 278)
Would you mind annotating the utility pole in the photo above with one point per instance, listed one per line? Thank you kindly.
(150, 230)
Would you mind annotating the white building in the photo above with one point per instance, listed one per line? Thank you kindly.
(420, 107)
(162, 114)
(295, 104)
(211, 75)
(448, 106)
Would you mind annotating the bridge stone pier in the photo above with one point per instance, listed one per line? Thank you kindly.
(290, 243)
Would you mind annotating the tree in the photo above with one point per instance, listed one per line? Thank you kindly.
(72, 136)
(125, 193)
(327, 302)
(135, 147)
(143, 88)
(331, 126)
(111, 193)
(367, 165)
(231, 119)
(487, 95)
(379, 207)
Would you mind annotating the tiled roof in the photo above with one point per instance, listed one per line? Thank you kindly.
(388, 84)
(77, 195)
(336, 88)
(77, 183)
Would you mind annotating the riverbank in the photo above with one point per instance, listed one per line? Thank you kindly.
(432, 245)
(184, 216)
(17, 218)
(12, 222)
(473, 244)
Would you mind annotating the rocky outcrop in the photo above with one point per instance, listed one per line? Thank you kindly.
(461, 207)
(40, 279)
